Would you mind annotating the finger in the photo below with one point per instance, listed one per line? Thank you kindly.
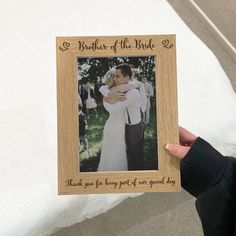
(118, 98)
(121, 97)
(120, 93)
(186, 137)
(177, 150)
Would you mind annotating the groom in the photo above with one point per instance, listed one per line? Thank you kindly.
(134, 106)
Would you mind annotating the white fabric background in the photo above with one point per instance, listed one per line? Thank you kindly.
(29, 204)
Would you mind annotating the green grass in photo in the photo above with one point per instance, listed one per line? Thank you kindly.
(89, 160)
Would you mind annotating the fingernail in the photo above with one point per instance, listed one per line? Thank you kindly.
(171, 148)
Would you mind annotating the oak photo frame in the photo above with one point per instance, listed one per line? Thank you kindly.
(166, 178)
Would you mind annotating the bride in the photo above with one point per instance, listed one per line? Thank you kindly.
(113, 154)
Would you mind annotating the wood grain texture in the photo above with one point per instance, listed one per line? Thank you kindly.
(70, 180)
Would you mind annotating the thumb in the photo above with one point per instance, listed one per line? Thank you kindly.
(177, 150)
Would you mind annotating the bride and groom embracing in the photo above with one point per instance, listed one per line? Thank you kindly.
(123, 134)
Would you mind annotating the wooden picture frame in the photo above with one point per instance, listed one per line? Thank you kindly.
(166, 178)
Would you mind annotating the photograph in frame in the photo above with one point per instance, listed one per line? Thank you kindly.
(121, 135)
(117, 108)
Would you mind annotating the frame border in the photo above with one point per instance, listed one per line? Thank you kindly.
(167, 177)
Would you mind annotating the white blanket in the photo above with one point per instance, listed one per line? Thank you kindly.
(29, 204)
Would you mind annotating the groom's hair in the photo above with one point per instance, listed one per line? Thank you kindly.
(126, 69)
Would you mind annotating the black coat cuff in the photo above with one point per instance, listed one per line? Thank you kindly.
(202, 167)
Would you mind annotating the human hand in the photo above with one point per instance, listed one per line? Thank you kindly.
(122, 88)
(138, 83)
(114, 97)
(186, 140)
(135, 84)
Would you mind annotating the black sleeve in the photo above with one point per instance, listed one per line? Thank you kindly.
(210, 177)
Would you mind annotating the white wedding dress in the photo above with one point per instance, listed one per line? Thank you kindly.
(113, 153)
